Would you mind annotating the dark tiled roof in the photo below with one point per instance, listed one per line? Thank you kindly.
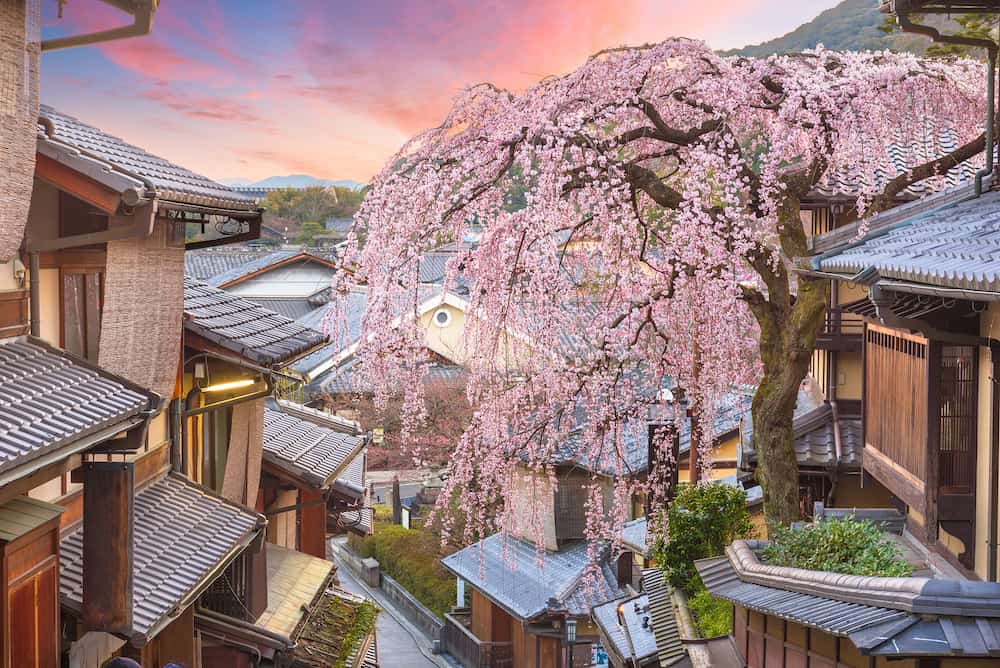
(880, 615)
(834, 617)
(184, 534)
(666, 630)
(634, 535)
(293, 308)
(271, 259)
(50, 401)
(307, 450)
(899, 157)
(636, 616)
(953, 246)
(512, 573)
(170, 182)
(243, 327)
(205, 263)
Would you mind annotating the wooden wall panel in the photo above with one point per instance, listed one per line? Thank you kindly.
(482, 616)
(896, 396)
(312, 524)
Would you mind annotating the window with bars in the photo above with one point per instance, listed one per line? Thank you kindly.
(958, 419)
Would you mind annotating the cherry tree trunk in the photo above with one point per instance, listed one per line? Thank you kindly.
(786, 345)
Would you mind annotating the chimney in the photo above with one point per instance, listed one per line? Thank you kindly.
(108, 496)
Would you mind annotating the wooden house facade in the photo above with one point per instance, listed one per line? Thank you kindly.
(130, 521)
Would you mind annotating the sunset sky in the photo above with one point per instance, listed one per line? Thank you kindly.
(240, 88)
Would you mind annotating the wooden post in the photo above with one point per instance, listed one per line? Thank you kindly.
(932, 480)
(397, 503)
(108, 497)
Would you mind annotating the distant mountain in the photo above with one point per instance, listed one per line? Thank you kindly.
(290, 181)
(853, 25)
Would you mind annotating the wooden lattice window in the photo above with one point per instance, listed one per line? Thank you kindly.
(958, 419)
(896, 381)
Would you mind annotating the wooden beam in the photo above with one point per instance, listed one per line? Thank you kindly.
(76, 184)
(896, 479)
(108, 499)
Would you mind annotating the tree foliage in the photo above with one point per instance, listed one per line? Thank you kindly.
(701, 522)
(671, 180)
(294, 207)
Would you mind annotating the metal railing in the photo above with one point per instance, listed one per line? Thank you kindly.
(458, 641)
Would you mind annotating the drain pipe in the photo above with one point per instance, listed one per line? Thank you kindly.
(34, 306)
(142, 12)
(991, 538)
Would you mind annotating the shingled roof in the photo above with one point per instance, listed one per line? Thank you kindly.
(514, 575)
(54, 404)
(243, 327)
(185, 535)
(205, 263)
(952, 246)
(311, 450)
(270, 260)
(121, 165)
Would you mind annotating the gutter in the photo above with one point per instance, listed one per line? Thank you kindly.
(142, 12)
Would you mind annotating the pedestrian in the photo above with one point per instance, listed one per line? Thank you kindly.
(121, 662)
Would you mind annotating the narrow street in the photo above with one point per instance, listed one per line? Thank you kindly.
(399, 642)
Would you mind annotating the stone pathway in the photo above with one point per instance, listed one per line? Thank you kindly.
(400, 643)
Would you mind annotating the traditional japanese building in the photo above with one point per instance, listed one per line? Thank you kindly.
(129, 478)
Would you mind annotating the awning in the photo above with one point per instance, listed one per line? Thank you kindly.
(53, 405)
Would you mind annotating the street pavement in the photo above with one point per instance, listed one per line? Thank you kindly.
(400, 643)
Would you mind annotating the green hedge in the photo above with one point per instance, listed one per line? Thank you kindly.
(411, 557)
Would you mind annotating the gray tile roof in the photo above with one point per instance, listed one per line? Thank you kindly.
(953, 246)
(307, 449)
(835, 617)
(637, 619)
(169, 182)
(51, 401)
(343, 380)
(293, 308)
(245, 328)
(666, 630)
(513, 574)
(881, 616)
(205, 263)
(269, 260)
(184, 535)
(899, 158)
(634, 535)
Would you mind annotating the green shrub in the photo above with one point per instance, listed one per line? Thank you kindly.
(411, 557)
(701, 522)
(713, 616)
(845, 546)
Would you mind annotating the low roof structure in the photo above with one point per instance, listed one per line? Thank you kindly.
(123, 167)
(627, 630)
(207, 263)
(242, 327)
(309, 446)
(263, 263)
(527, 583)
(816, 439)
(185, 535)
(882, 616)
(53, 405)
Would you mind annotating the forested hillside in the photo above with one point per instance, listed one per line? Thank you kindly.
(852, 25)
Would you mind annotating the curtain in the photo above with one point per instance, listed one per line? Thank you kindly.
(143, 311)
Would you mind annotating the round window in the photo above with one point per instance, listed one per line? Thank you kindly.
(442, 317)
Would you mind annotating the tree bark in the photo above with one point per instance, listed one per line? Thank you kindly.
(789, 324)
